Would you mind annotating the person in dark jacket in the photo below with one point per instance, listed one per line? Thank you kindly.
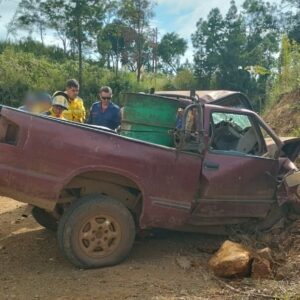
(104, 112)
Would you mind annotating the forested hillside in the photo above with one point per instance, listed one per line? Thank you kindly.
(253, 48)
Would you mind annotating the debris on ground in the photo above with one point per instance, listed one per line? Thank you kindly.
(183, 262)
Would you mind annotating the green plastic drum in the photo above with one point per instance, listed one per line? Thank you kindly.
(149, 118)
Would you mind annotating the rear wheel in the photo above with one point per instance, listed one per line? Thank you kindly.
(96, 231)
(45, 218)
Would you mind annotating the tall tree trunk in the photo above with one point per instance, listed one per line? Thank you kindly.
(108, 61)
(79, 43)
(117, 58)
(139, 60)
(80, 62)
(42, 33)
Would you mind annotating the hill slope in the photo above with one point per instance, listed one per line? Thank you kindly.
(284, 116)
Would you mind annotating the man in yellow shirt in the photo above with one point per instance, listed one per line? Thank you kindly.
(76, 110)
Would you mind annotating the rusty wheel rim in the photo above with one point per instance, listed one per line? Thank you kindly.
(99, 236)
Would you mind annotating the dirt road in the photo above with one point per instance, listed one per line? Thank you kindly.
(172, 266)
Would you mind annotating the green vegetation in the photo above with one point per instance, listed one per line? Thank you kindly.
(288, 77)
(23, 71)
(254, 49)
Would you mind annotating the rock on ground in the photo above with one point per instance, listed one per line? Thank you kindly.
(231, 260)
(261, 268)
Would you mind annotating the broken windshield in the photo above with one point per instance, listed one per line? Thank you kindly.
(241, 120)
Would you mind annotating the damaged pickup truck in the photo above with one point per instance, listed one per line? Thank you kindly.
(97, 187)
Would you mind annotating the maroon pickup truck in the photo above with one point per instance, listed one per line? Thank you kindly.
(97, 188)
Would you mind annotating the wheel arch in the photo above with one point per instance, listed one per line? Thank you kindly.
(119, 184)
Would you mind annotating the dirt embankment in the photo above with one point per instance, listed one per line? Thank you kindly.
(284, 116)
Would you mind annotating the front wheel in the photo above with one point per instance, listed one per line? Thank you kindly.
(96, 231)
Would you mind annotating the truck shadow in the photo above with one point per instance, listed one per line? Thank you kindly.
(22, 239)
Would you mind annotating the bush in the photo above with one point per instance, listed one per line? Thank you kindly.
(288, 77)
(21, 72)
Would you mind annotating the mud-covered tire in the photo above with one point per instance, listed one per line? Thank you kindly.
(96, 231)
(44, 218)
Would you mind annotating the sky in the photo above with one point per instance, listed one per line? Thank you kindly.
(178, 16)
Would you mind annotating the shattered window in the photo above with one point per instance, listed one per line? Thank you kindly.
(241, 120)
(234, 132)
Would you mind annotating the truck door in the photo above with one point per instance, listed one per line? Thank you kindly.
(238, 178)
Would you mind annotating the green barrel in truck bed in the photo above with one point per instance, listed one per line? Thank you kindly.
(149, 118)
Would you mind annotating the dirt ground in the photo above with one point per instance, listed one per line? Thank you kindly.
(166, 266)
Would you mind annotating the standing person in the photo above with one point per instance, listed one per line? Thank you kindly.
(29, 102)
(60, 104)
(37, 102)
(44, 102)
(76, 110)
(179, 118)
(104, 112)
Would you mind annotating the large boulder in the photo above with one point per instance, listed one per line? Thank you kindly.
(231, 260)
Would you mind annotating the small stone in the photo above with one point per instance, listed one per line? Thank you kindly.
(279, 276)
(2, 247)
(265, 253)
(183, 293)
(183, 262)
(261, 268)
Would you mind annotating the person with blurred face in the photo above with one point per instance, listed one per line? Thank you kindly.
(29, 102)
(37, 102)
(105, 112)
(76, 111)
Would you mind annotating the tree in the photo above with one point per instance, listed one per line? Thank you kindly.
(170, 49)
(237, 52)
(208, 42)
(136, 14)
(185, 80)
(55, 12)
(262, 32)
(232, 74)
(30, 16)
(262, 44)
(111, 42)
(75, 21)
(292, 19)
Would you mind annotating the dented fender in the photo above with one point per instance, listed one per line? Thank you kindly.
(289, 191)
